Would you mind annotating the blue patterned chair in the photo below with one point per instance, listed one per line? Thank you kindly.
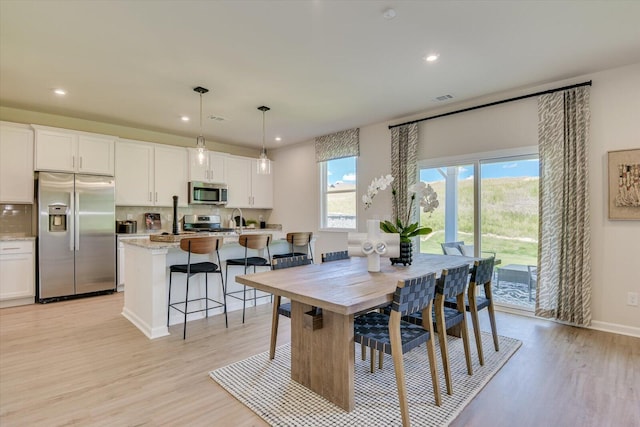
(282, 309)
(391, 335)
(451, 285)
(481, 274)
(335, 256)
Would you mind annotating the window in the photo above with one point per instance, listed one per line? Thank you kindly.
(338, 193)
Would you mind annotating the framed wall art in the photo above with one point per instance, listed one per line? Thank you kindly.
(624, 184)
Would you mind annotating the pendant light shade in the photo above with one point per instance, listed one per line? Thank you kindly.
(263, 163)
(200, 143)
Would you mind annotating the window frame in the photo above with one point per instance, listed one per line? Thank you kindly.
(323, 196)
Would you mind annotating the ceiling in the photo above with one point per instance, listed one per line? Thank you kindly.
(322, 66)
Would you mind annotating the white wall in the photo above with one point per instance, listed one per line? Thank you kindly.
(615, 124)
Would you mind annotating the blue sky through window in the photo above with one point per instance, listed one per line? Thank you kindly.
(512, 169)
(341, 171)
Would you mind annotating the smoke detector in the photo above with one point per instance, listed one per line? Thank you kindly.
(389, 13)
(442, 98)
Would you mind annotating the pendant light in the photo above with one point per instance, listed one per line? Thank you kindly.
(200, 144)
(263, 163)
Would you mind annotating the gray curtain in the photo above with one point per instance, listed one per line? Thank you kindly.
(338, 145)
(404, 166)
(564, 259)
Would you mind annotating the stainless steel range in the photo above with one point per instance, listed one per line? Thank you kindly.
(204, 223)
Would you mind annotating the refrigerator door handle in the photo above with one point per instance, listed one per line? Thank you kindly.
(72, 226)
(77, 221)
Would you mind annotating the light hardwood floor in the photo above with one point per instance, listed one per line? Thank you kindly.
(81, 363)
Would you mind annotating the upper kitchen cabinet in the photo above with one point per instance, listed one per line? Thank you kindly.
(150, 174)
(210, 169)
(247, 189)
(77, 152)
(16, 163)
(170, 175)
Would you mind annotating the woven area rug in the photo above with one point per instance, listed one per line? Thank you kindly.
(266, 387)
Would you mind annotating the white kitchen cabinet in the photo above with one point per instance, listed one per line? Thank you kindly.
(210, 170)
(134, 174)
(261, 187)
(17, 273)
(170, 175)
(247, 189)
(150, 174)
(62, 150)
(16, 163)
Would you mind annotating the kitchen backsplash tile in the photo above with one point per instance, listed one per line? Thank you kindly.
(136, 213)
(16, 220)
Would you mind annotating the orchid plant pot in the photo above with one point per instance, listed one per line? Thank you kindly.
(406, 254)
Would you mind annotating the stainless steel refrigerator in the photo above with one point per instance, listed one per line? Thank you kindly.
(76, 235)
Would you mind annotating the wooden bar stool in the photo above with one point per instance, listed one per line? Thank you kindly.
(249, 241)
(198, 245)
(298, 239)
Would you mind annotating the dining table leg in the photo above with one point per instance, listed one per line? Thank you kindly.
(323, 359)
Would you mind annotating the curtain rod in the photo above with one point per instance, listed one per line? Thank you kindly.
(490, 104)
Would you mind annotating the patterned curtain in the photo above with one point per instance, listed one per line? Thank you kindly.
(404, 166)
(338, 145)
(564, 259)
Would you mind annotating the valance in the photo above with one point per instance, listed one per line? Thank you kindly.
(338, 145)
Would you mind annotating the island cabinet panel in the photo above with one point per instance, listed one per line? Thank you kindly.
(210, 169)
(247, 189)
(62, 150)
(16, 163)
(150, 174)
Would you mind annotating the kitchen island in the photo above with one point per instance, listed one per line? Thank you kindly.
(147, 279)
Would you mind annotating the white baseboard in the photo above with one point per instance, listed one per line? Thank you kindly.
(615, 328)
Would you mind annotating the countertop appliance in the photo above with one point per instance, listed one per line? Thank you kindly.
(204, 193)
(76, 239)
(126, 227)
(204, 223)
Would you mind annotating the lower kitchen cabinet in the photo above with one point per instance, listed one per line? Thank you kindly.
(17, 273)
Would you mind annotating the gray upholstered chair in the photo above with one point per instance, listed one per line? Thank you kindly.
(392, 335)
(282, 309)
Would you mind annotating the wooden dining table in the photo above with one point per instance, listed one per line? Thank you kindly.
(322, 345)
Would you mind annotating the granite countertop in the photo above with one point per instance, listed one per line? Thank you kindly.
(16, 238)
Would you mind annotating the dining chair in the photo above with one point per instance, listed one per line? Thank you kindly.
(257, 242)
(198, 245)
(282, 309)
(392, 335)
(298, 239)
(481, 275)
(335, 256)
(451, 284)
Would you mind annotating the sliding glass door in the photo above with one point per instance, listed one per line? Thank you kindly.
(489, 204)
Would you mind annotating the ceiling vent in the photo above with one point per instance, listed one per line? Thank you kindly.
(217, 118)
(442, 98)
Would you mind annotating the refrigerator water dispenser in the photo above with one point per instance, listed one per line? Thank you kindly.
(58, 217)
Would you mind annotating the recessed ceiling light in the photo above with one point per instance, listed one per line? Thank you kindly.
(184, 118)
(278, 138)
(432, 57)
(389, 13)
(60, 92)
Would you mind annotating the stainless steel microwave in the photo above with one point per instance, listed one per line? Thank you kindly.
(204, 193)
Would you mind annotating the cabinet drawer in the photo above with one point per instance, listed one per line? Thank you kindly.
(16, 247)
